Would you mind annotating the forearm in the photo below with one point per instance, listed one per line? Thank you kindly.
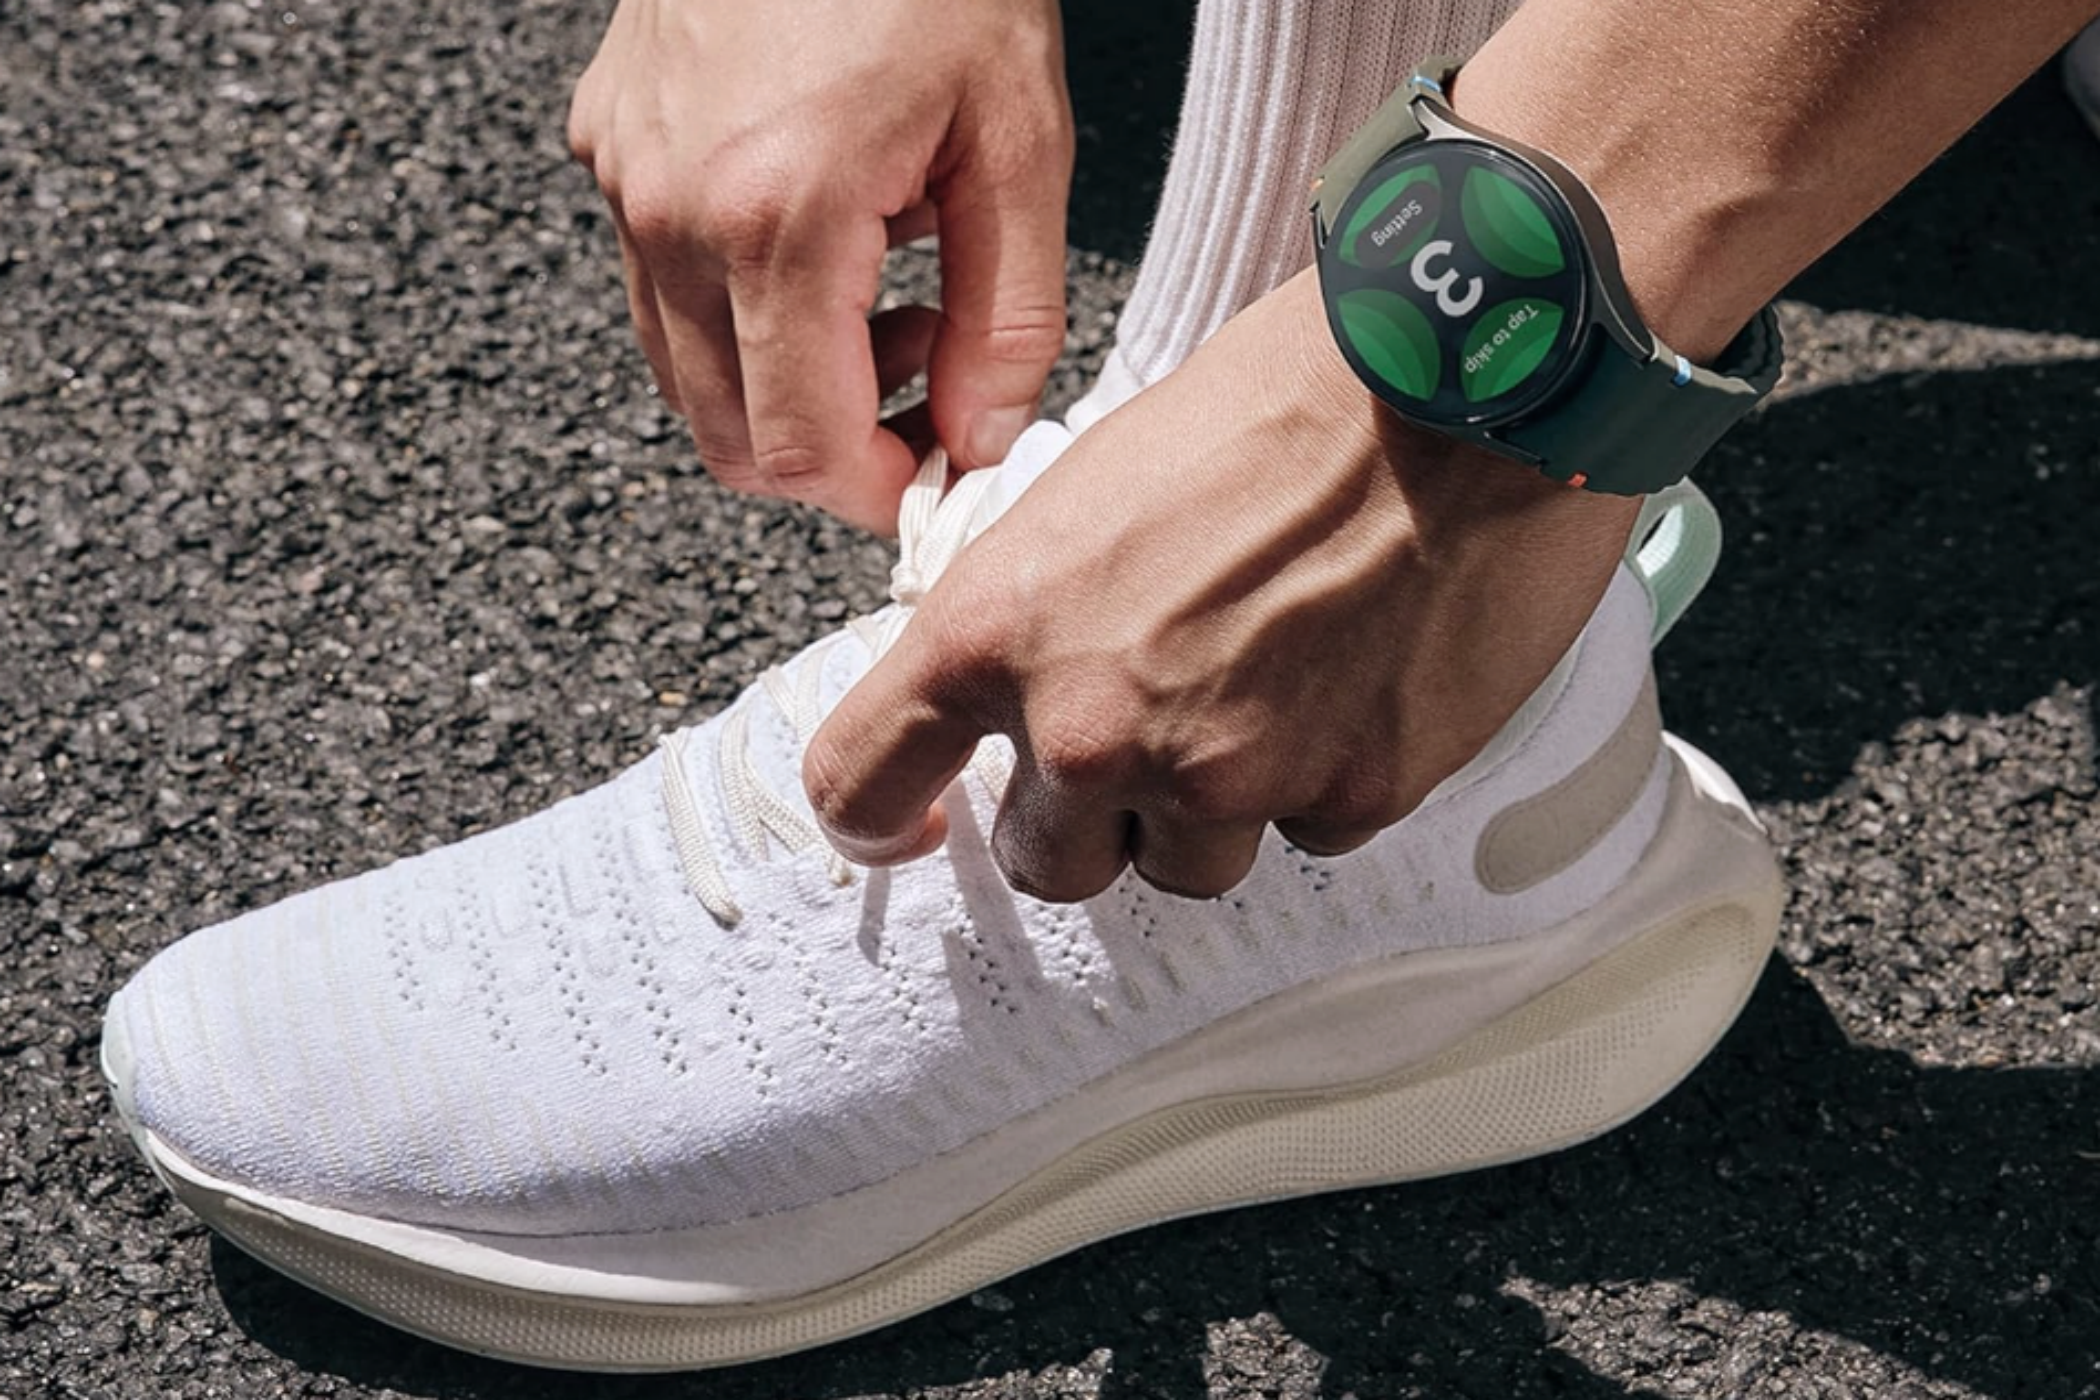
(1732, 144)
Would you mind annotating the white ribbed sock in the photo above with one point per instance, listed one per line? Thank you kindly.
(1274, 86)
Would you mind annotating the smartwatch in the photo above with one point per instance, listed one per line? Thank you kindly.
(1472, 283)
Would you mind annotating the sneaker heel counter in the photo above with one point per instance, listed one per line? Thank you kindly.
(1587, 767)
(1530, 841)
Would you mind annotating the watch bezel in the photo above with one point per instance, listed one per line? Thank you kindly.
(1604, 308)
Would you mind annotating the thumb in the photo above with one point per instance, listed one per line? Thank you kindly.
(878, 765)
(1002, 226)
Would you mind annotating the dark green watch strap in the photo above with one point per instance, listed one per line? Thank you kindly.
(1638, 421)
(1640, 424)
(1393, 123)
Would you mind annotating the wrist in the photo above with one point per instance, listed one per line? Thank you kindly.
(1448, 488)
(1695, 237)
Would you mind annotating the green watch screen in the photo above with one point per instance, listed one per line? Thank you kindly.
(1454, 280)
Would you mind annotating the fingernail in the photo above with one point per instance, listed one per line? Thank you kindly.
(893, 850)
(994, 432)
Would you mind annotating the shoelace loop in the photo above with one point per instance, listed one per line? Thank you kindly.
(934, 524)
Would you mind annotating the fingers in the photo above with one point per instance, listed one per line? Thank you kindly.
(810, 393)
(700, 339)
(1002, 226)
(1197, 861)
(689, 335)
(903, 341)
(919, 221)
(1056, 844)
(1323, 838)
(915, 426)
(902, 338)
(1353, 811)
(756, 326)
(877, 768)
(648, 321)
(880, 762)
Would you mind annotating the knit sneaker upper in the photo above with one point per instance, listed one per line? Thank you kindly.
(546, 1030)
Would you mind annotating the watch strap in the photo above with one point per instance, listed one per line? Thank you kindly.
(1393, 124)
(1638, 424)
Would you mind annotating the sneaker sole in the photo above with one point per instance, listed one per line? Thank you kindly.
(1688, 935)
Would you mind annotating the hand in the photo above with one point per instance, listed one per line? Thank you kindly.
(1251, 595)
(759, 161)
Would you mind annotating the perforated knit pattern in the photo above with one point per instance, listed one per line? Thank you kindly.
(1274, 87)
(541, 1031)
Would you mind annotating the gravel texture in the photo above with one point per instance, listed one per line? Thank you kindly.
(337, 520)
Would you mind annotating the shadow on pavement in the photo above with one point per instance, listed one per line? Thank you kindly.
(1899, 548)
(2001, 231)
(1906, 547)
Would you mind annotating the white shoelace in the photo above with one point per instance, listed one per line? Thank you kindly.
(932, 529)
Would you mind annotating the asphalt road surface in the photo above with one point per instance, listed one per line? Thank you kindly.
(337, 521)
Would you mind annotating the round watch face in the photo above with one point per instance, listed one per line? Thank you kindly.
(1455, 280)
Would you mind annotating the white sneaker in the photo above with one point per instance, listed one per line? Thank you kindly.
(652, 1081)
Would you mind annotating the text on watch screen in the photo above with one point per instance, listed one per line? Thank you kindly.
(1459, 284)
